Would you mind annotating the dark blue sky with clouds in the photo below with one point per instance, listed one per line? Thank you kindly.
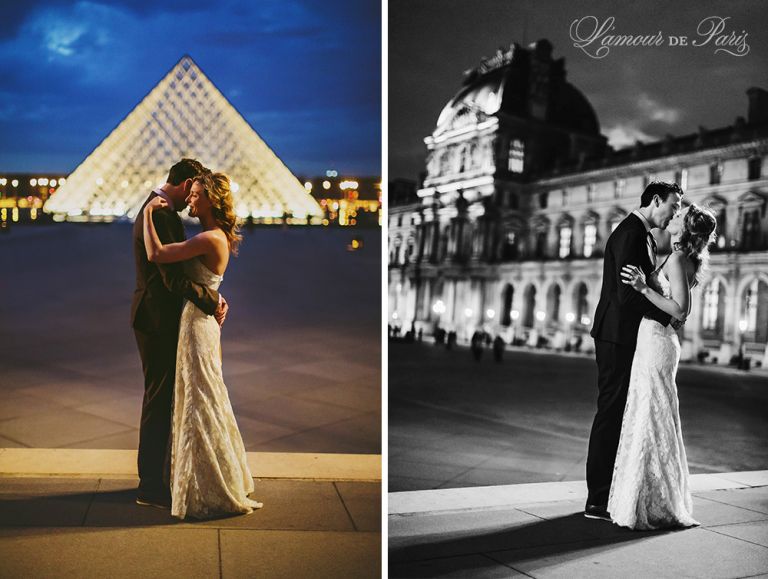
(306, 74)
(638, 93)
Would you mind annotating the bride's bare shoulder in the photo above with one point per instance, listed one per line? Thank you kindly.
(685, 264)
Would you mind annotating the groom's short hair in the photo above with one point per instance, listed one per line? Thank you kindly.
(661, 188)
(185, 169)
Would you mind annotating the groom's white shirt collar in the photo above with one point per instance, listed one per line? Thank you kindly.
(160, 193)
(643, 219)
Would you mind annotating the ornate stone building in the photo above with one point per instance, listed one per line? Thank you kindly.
(521, 192)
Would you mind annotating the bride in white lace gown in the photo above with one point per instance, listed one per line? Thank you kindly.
(650, 485)
(209, 472)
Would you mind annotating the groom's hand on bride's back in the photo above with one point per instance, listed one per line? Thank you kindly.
(221, 310)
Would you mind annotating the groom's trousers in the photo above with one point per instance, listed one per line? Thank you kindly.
(614, 367)
(158, 359)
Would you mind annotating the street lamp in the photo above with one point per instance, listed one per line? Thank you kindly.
(438, 307)
(394, 316)
(490, 313)
(540, 316)
(569, 318)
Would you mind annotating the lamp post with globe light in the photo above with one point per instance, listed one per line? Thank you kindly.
(569, 319)
(514, 315)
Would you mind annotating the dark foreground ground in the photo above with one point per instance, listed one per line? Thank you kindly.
(456, 423)
(301, 345)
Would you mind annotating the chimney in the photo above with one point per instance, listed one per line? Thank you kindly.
(758, 105)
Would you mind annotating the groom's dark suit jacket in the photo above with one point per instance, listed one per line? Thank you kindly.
(162, 288)
(621, 308)
(155, 314)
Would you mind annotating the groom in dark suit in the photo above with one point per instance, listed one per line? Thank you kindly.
(617, 320)
(155, 312)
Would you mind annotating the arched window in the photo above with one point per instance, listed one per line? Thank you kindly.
(755, 311)
(566, 232)
(713, 310)
(506, 304)
(553, 303)
(582, 305)
(530, 305)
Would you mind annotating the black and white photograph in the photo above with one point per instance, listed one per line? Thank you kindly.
(577, 289)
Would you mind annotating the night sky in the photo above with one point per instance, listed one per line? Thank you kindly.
(637, 92)
(306, 74)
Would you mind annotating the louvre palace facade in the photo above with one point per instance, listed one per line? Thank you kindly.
(521, 191)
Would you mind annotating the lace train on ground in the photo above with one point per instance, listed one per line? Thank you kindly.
(209, 473)
(650, 488)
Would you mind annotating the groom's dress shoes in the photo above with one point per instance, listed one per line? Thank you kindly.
(597, 512)
(160, 502)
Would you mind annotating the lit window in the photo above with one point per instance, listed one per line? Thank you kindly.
(565, 242)
(618, 187)
(715, 173)
(684, 179)
(590, 238)
(591, 193)
(711, 301)
(516, 156)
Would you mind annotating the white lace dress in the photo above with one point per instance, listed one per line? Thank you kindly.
(650, 489)
(209, 473)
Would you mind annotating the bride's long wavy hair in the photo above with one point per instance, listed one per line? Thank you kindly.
(219, 193)
(698, 233)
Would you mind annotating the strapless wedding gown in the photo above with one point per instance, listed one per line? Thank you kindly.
(650, 488)
(209, 473)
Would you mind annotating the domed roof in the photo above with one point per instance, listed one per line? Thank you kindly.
(502, 84)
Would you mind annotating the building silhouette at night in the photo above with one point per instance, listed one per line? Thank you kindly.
(521, 192)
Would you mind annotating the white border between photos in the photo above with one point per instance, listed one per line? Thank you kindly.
(384, 293)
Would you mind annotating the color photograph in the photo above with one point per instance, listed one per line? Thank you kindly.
(190, 241)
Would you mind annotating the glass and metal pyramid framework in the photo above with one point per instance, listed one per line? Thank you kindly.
(185, 115)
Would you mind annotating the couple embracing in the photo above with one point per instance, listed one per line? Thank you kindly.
(191, 456)
(637, 471)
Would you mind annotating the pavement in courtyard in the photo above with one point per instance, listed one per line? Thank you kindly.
(538, 530)
(457, 423)
(321, 519)
(301, 345)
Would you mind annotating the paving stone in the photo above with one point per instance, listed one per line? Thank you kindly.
(754, 532)
(466, 566)
(316, 555)
(755, 499)
(60, 502)
(360, 434)
(363, 501)
(131, 553)
(58, 429)
(464, 533)
(686, 553)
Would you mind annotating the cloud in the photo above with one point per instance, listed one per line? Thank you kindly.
(626, 134)
(652, 109)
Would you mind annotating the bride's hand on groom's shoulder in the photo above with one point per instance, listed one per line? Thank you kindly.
(634, 277)
(156, 203)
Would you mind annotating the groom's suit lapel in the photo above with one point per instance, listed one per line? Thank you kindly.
(647, 265)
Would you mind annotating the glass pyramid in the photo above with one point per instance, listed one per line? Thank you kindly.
(185, 115)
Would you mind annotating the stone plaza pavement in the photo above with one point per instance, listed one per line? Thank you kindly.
(71, 513)
(538, 530)
(301, 345)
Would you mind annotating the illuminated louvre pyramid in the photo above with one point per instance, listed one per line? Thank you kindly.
(183, 116)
